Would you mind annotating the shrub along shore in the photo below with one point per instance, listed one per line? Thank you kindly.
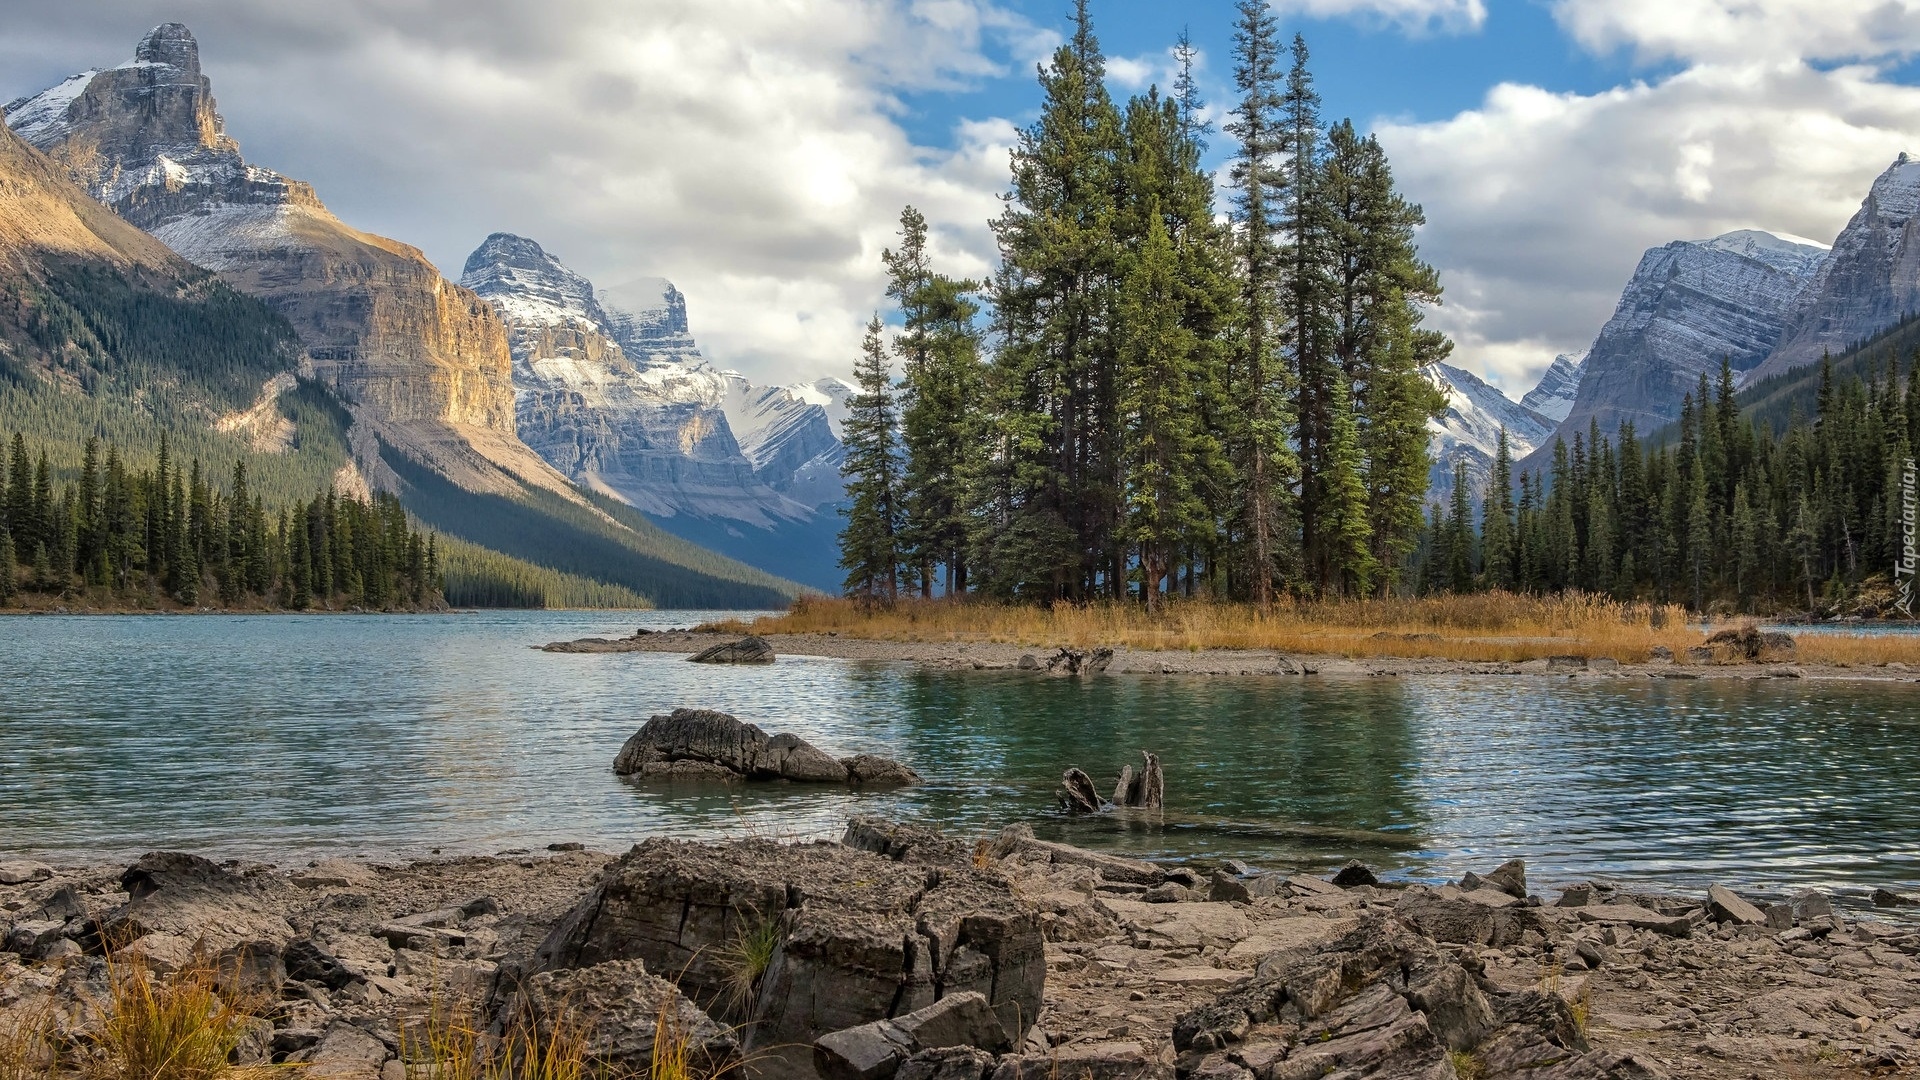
(1476, 629)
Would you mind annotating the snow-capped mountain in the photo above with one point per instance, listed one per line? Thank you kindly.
(1688, 304)
(1552, 397)
(421, 363)
(1470, 430)
(611, 389)
(1871, 280)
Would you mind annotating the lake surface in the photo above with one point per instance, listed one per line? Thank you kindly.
(295, 736)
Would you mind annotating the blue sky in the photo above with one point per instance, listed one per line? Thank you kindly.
(757, 152)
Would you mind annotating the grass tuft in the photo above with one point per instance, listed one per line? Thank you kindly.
(176, 1028)
(1466, 1064)
(27, 1046)
(449, 1043)
(746, 957)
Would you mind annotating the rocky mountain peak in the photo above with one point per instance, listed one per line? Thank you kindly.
(1552, 397)
(530, 286)
(1870, 281)
(172, 44)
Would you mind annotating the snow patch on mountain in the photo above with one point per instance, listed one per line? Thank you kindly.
(1469, 431)
(1552, 397)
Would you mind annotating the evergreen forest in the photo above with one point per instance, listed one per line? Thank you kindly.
(1160, 391)
(171, 531)
(1166, 389)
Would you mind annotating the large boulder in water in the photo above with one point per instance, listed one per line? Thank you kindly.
(860, 938)
(705, 743)
(748, 650)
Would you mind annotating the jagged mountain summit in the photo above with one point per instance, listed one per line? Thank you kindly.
(611, 389)
(421, 362)
(1870, 281)
(1552, 397)
(1470, 431)
(1689, 304)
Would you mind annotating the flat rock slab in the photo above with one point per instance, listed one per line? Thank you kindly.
(22, 873)
(1726, 907)
(1198, 976)
(1637, 917)
(1179, 926)
(1295, 933)
(616, 1008)
(748, 650)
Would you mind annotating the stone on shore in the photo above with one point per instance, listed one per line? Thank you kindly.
(748, 650)
(617, 1008)
(1726, 907)
(877, 1050)
(23, 872)
(862, 937)
(704, 744)
(1355, 874)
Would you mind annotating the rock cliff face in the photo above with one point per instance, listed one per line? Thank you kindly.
(43, 213)
(1470, 431)
(422, 363)
(1688, 304)
(612, 391)
(1552, 397)
(1869, 283)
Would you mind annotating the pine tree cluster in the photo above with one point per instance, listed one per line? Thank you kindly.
(174, 532)
(1165, 399)
(1729, 514)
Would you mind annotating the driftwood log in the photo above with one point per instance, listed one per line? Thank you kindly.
(1074, 662)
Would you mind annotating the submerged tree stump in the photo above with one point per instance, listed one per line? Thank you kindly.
(1077, 793)
(1145, 790)
(1074, 662)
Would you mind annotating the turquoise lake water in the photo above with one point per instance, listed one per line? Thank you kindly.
(292, 736)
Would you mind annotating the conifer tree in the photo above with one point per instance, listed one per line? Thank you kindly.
(1049, 502)
(1346, 535)
(1260, 388)
(1496, 519)
(869, 544)
(9, 568)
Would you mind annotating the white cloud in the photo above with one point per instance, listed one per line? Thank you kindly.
(1745, 30)
(1540, 204)
(751, 150)
(1411, 16)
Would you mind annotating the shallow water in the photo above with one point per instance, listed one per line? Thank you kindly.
(285, 736)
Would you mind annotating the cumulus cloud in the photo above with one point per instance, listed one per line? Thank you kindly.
(751, 150)
(1745, 30)
(1413, 16)
(1540, 204)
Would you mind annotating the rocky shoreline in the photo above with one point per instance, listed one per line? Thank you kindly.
(1001, 656)
(901, 954)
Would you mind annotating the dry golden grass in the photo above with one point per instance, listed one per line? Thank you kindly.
(448, 1043)
(180, 1027)
(1483, 627)
(27, 1046)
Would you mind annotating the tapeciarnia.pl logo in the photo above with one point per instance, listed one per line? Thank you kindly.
(1903, 570)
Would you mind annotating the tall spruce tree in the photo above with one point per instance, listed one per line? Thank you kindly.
(1260, 383)
(1496, 519)
(869, 543)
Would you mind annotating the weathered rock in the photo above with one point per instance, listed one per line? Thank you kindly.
(875, 1051)
(1449, 918)
(194, 899)
(1811, 905)
(618, 1008)
(1086, 1061)
(906, 843)
(1018, 841)
(308, 961)
(1223, 887)
(949, 1063)
(1186, 926)
(872, 770)
(863, 937)
(334, 873)
(705, 743)
(1077, 793)
(1638, 918)
(1510, 878)
(1028, 662)
(1889, 898)
(21, 872)
(1726, 907)
(1354, 875)
(344, 1052)
(748, 650)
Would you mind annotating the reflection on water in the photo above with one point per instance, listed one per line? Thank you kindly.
(276, 736)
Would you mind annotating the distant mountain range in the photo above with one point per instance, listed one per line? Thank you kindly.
(612, 391)
(1766, 303)
(422, 366)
